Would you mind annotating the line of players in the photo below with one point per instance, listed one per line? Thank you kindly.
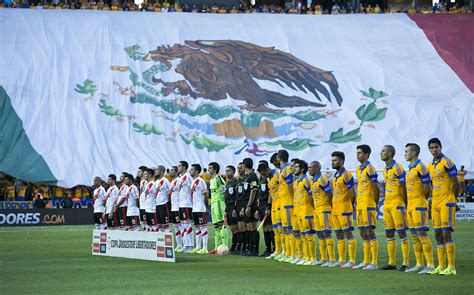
(308, 203)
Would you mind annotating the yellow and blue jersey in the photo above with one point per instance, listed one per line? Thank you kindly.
(320, 189)
(342, 183)
(366, 178)
(286, 180)
(442, 171)
(394, 176)
(416, 177)
(302, 201)
(273, 183)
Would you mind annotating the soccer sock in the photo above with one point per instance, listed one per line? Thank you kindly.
(277, 242)
(283, 241)
(238, 241)
(427, 250)
(341, 250)
(179, 237)
(352, 245)
(323, 249)
(451, 253)
(441, 251)
(190, 235)
(307, 255)
(292, 245)
(331, 249)
(205, 237)
(392, 251)
(366, 246)
(374, 249)
(246, 246)
(217, 236)
(256, 241)
(405, 251)
(418, 249)
(225, 236)
(288, 245)
(299, 247)
(272, 241)
(234, 243)
(198, 237)
(268, 242)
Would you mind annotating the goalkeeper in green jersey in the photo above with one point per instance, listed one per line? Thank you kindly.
(217, 187)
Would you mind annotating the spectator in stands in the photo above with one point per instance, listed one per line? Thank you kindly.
(29, 192)
(39, 202)
(67, 202)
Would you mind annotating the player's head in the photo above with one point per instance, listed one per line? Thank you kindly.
(230, 172)
(148, 174)
(182, 167)
(314, 168)
(128, 179)
(292, 164)
(412, 151)
(283, 156)
(160, 171)
(141, 169)
(111, 179)
(173, 171)
(122, 176)
(248, 163)
(214, 168)
(262, 162)
(264, 170)
(462, 167)
(241, 169)
(387, 153)
(296, 167)
(195, 170)
(274, 160)
(97, 181)
(435, 147)
(337, 160)
(363, 153)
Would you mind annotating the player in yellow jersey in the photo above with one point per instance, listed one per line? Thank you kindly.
(285, 192)
(418, 192)
(342, 208)
(394, 209)
(443, 174)
(322, 198)
(462, 182)
(366, 210)
(304, 212)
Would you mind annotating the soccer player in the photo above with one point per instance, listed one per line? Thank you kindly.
(394, 209)
(99, 203)
(150, 201)
(273, 182)
(217, 188)
(111, 197)
(247, 206)
(418, 192)
(286, 205)
(121, 207)
(304, 212)
(265, 207)
(162, 199)
(230, 197)
(342, 208)
(132, 197)
(245, 241)
(174, 195)
(462, 182)
(185, 206)
(366, 210)
(200, 199)
(322, 202)
(443, 174)
(143, 184)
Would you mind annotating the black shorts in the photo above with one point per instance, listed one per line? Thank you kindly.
(174, 216)
(112, 222)
(185, 213)
(231, 220)
(261, 215)
(163, 213)
(151, 219)
(133, 220)
(122, 216)
(98, 218)
(142, 215)
(199, 218)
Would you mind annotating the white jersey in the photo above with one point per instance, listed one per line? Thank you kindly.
(163, 191)
(143, 185)
(185, 200)
(99, 200)
(174, 188)
(150, 197)
(112, 196)
(132, 196)
(198, 188)
(122, 194)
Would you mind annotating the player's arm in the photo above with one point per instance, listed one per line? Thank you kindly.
(205, 195)
(120, 201)
(401, 174)
(373, 176)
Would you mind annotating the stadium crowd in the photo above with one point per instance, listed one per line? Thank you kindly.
(325, 7)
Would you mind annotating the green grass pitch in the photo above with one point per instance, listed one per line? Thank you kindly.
(51, 260)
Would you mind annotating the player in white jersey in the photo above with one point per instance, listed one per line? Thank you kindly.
(174, 196)
(185, 206)
(150, 201)
(141, 190)
(99, 203)
(111, 197)
(200, 198)
(121, 208)
(162, 199)
(130, 197)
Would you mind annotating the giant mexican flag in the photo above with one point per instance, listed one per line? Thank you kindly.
(86, 93)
